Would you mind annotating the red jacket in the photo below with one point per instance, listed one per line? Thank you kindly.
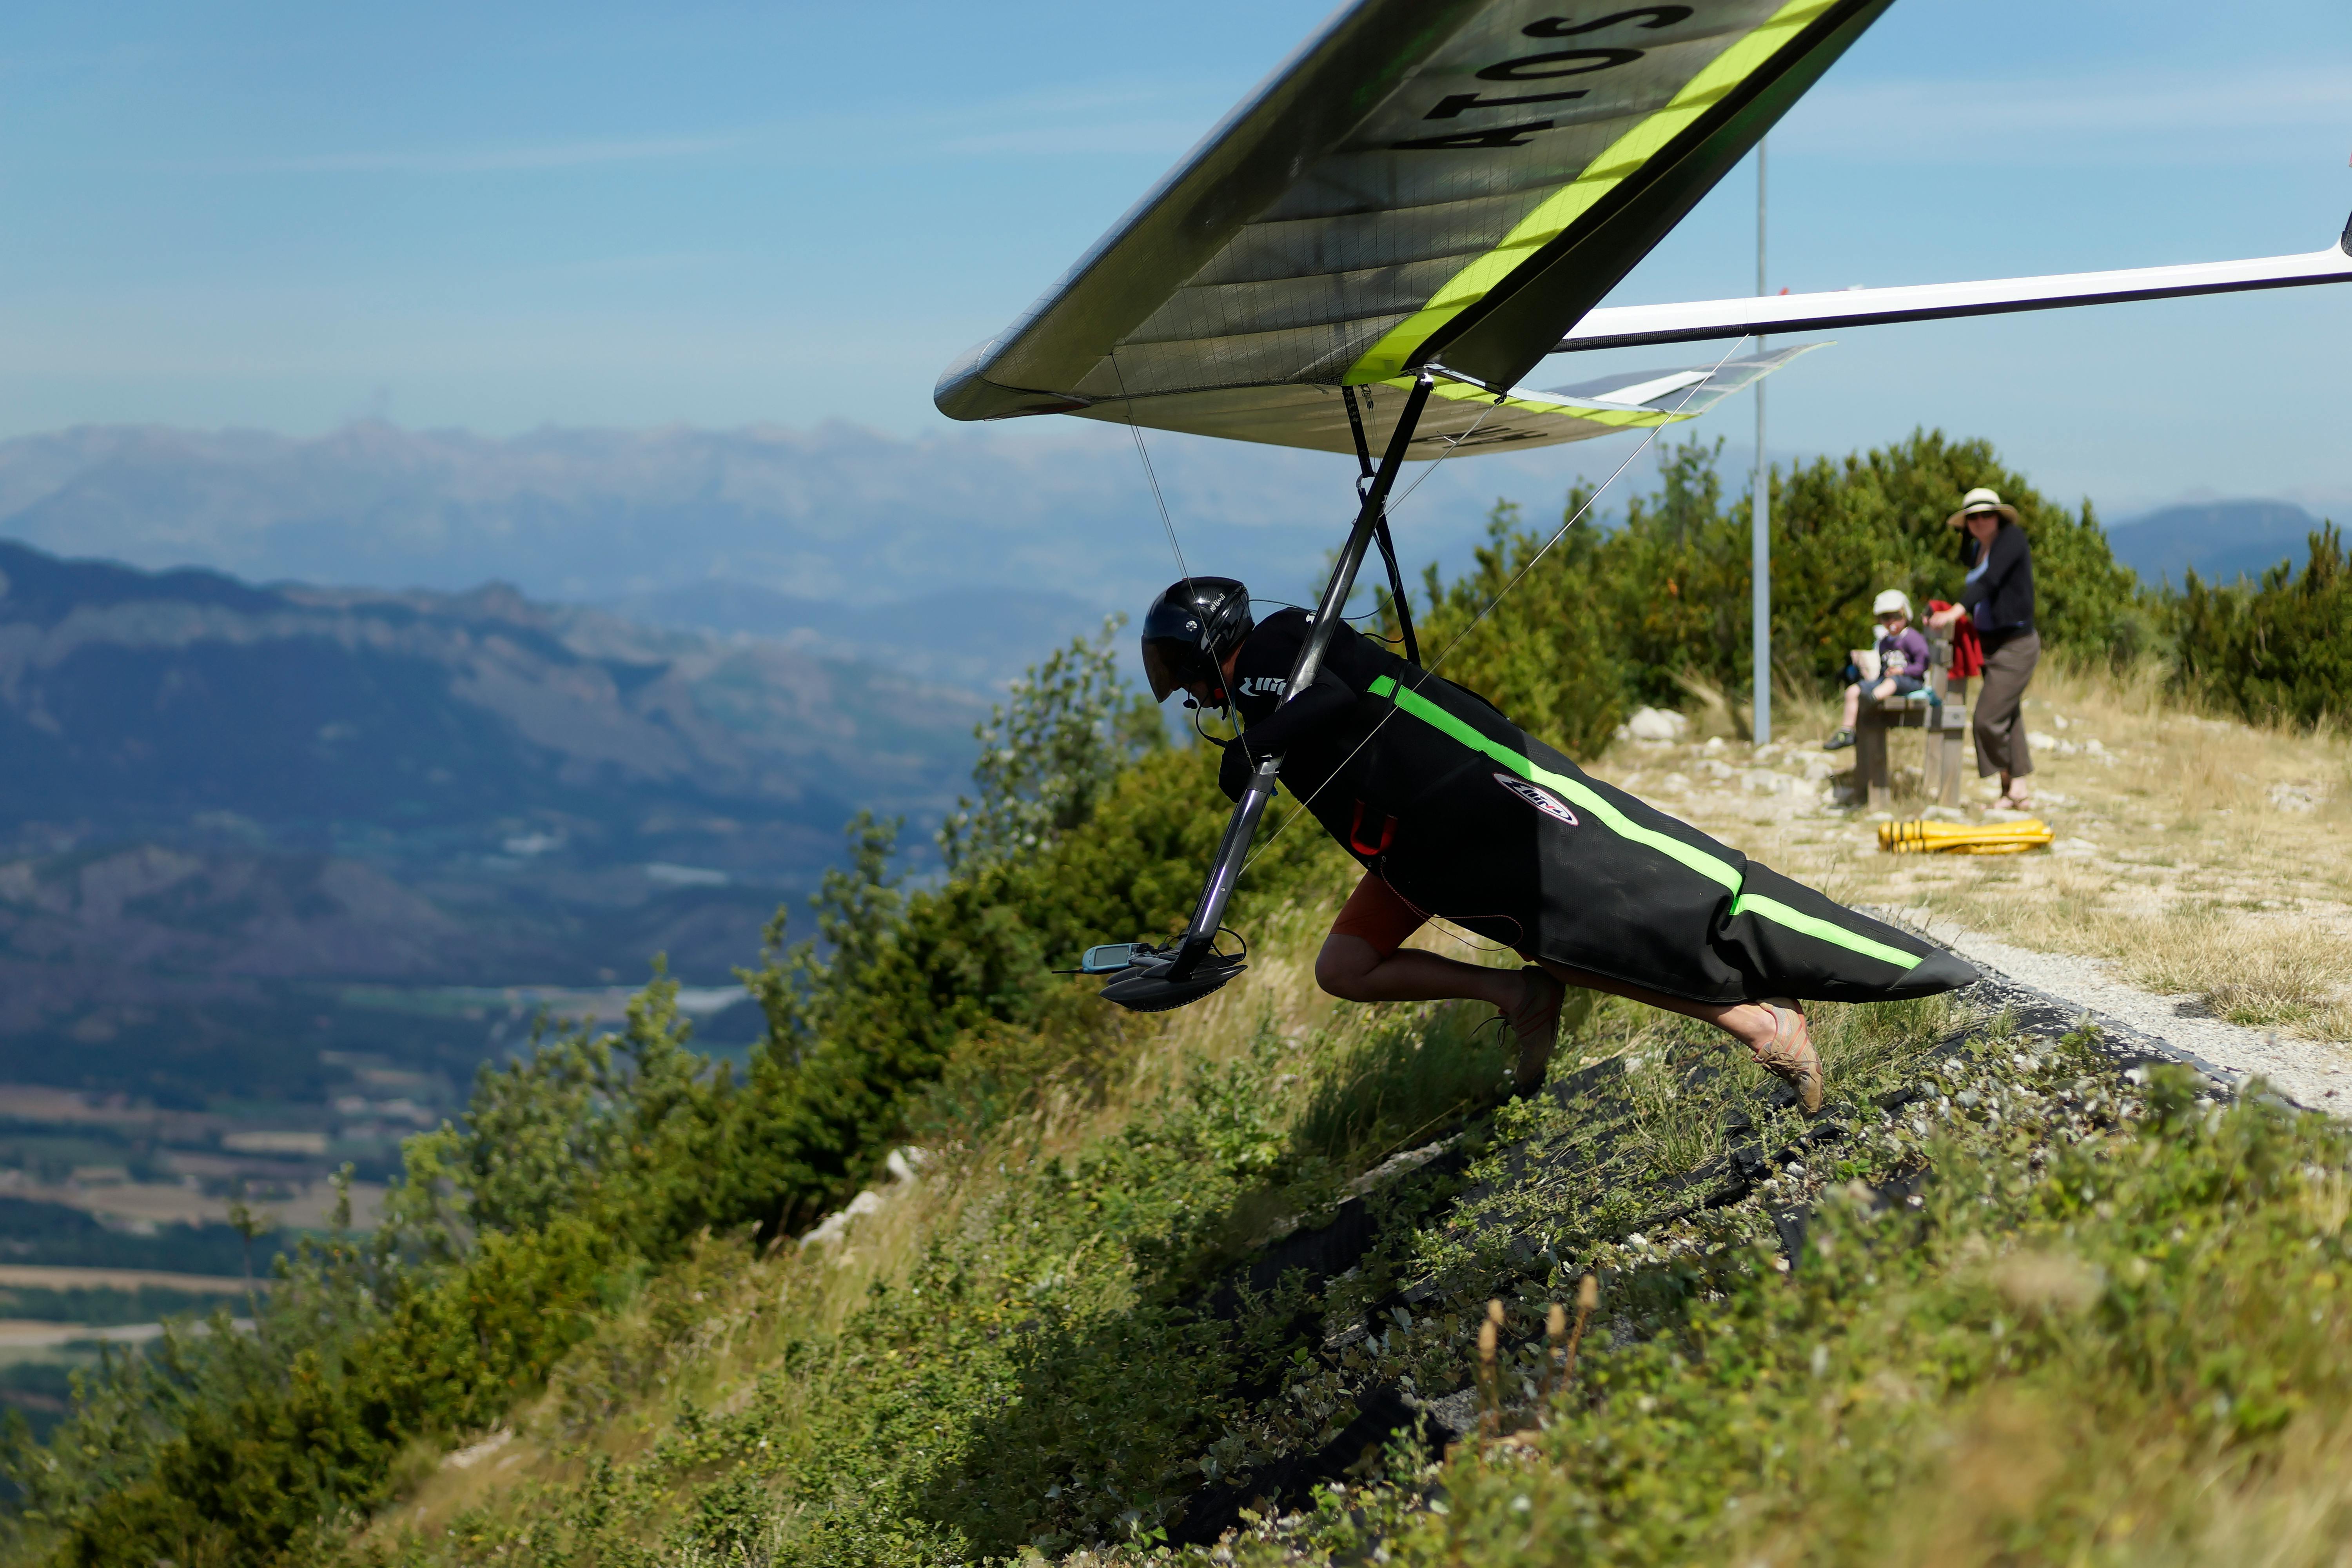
(1968, 653)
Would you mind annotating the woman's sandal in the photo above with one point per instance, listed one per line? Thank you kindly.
(1791, 1057)
(1535, 1024)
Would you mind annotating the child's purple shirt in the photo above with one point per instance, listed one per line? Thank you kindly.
(1903, 654)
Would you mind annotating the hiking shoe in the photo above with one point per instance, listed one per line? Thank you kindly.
(1790, 1057)
(1839, 742)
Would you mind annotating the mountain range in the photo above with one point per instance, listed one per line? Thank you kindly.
(976, 636)
(839, 518)
(222, 797)
(2219, 541)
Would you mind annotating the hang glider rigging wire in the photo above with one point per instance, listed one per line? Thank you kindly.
(1160, 501)
(1558, 534)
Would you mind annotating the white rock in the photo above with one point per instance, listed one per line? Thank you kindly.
(904, 1162)
(1656, 725)
(2094, 747)
(1675, 782)
(2294, 797)
(1714, 744)
(1764, 781)
(465, 1458)
(1817, 769)
(2041, 740)
(833, 1227)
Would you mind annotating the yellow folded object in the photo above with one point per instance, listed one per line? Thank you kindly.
(1924, 837)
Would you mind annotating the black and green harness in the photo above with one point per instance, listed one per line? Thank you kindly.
(1470, 819)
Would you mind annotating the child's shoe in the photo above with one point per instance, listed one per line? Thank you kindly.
(1839, 742)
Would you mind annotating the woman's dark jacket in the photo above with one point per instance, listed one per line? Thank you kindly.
(2001, 601)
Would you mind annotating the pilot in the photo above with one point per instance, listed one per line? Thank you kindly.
(1454, 811)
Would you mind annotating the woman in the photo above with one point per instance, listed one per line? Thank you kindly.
(1998, 598)
(1453, 811)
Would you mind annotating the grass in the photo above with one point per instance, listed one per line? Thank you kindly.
(2111, 1328)
(2042, 1313)
(1117, 1312)
(2208, 857)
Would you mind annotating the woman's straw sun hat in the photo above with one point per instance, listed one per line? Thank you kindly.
(1982, 500)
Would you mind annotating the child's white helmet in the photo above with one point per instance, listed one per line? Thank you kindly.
(1895, 601)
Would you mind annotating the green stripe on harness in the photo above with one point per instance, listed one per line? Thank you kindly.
(1779, 913)
(1617, 822)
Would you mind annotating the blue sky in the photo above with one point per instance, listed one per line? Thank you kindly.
(288, 216)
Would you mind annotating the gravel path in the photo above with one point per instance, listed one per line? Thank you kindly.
(2310, 1072)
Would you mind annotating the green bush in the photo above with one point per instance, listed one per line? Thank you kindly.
(228, 1448)
(1606, 620)
(2280, 650)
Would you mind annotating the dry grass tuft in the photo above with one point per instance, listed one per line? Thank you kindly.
(2249, 972)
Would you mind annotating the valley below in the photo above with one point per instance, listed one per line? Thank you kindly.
(283, 867)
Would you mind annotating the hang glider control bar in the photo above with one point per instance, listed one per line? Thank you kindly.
(1629, 326)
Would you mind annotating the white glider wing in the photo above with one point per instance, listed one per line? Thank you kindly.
(1631, 326)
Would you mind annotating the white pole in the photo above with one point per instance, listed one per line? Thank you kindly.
(1759, 545)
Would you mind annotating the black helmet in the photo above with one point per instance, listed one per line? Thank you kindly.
(1189, 629)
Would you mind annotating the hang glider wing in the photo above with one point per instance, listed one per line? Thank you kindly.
(1427, 183)
(1633, 325)
(1462, 417)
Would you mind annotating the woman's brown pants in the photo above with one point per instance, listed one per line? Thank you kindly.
(1999, 721)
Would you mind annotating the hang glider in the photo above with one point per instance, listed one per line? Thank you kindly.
(1461, 415)
(1448, 183)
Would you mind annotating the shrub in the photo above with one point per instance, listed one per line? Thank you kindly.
(2278, 651)
(1606, 619)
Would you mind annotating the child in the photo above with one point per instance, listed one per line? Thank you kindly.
(1902, 662)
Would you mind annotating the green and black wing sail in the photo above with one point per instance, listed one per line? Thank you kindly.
(1449, 186)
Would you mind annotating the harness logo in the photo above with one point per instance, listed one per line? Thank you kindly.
(1542, 799)
(1263, 686)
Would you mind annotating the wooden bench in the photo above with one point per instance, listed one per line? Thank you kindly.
(1943, 724)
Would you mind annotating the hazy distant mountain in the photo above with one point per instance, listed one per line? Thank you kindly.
(131, 701)
(219, 798)
(838, 515)
(2222, 540)
(975, 636)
